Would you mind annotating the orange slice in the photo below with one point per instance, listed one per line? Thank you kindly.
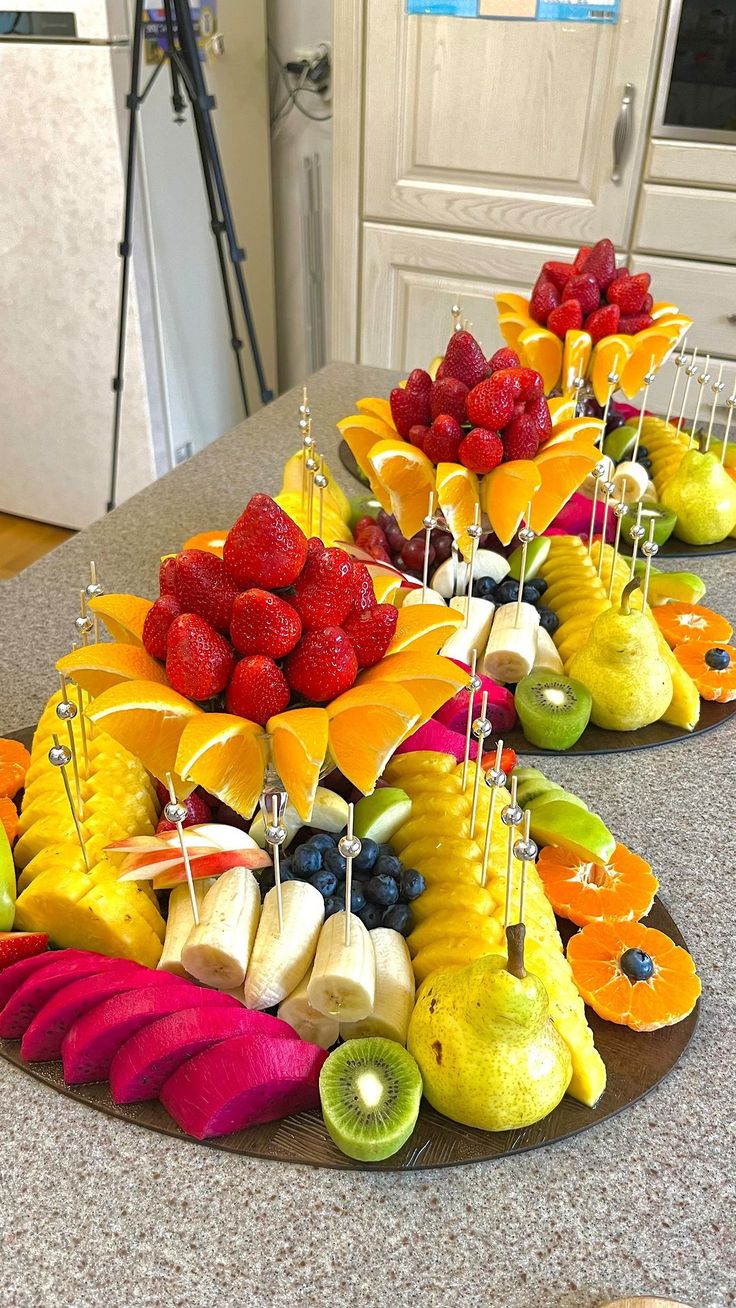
(149, 720)
(541, 350)
(458, 495)
(651, 348)
(575, 358)
(512, 325)
(386, 585)
(406, 474)
(97, 667)
(225, 754)
(561, 477)
(595, 956)
(561, 407)
(9, 818)
(589, 430)
(713, 683)
(677, 324)
(663, 309)
(374, 406)
(510, 302)
(429, 678)
(620, 890)
(360, 433)
(365, 726)
(299, 745)
(505, 495)
(14, 763)
(680, 622)
(610, 355)
(123, 615)
(209, 541)
(423, 628)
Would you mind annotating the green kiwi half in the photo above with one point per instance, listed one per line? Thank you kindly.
(554, 710)
(370, 1091)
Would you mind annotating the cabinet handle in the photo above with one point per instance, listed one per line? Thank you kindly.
(622, 132)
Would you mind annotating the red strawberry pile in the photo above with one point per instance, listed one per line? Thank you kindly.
(592, 295)
(278, 620)
(478, 412)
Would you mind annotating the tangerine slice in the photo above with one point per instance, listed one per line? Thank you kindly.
(299, 744)
(505, 494)
(512, 325)
(430, 678)
(406, 474)
(211, 542)
(123, 615)
(651, 349)
(541, 350)
(385, 585)
(575, 359)
(366, 724)
(561, 476)
(149, 720)
(423, 628)
(561, 408)
(227, 756)
(573, 429)
(597, 956)
(97, 667)
(9, 817)
(620, 890)
(14, 763)
(510, 302)
(375, 406)
(458, 495)
(680, 622)
(610, 355)
(713, 683)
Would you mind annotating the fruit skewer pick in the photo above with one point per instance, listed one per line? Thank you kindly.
(472, 688)
(176, 813)
(598, 473)
(457, 315)
(511, 817)
(312, 467)
(83, 623)
(66, 711)
(83, 730)
(275, 833)
(526, 536)
(525, 850)
(320, 482)
(703, 379)
(305, 431)
(731, 405)
(636, 534)
(650, 550)
(679, 361)
(94, 590)
(608, 489)
(578, 384)
(429, 523)
(495, 779)
(613, 381)
(349, 846)
(619, 512)
(482, 728)
(475, 533)
(717, 387)
(648, 379)
(60, 756)
(690, 371)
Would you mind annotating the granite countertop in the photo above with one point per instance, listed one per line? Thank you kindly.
(98, 1212)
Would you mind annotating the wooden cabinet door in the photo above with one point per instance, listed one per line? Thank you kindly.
(502, 126)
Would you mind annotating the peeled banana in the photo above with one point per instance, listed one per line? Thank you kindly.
(512, 648)
(473, 635)
(217, 951)
(179, 924)
(546, 657)
(394, 995)
(318, 1028)
(343, 980)
(279, 960)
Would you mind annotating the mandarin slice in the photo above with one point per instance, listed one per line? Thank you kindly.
(717, 683)
(622, 889)
(227, 756)
(212, 542)
(651, 349)
(14, 764)
(430, 679)
(575, 359)
(680, 622)
(123, 615)
(375, 406)
(9, 817)
(609, 356)
(422, 629)
(149, 720)
(561, 477)
(360, 433)
(605, 965)
(510, 302)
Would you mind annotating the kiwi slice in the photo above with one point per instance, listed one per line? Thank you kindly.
(370, 1091)
(530, 789)
(554, 710)
(664, 521)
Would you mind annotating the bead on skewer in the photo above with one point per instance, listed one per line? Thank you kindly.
(472, 688)
(511, 816)
(636, 534)
(648, 379)
(176, 813)
(83, 624)
(60, 756)
(312, 467)
(609, 489)
(475, 531)
(526, 851)
(717, 388)
(613, 381)
(495, 779)
(94, 590)
(482, 728)
(429, 523)
(703, 379)
(578, 384)
(349, 846)
(457, 315)
(526, 536)
(730, 405)
(619, 512)
(320, 482)
(66, 711)
(598, 473)
(272, 808)
(650, 550)
(690, 371)
(679, 361)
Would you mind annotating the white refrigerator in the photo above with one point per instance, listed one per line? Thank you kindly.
(62, 156)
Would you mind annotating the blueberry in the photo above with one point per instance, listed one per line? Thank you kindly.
(385, 849)
(357, 898)
(335, 904)
(387, 865)
(508, 591)
(615, 420)
(382, 889)
(636, 965)
(643, 452)
(398, 918)
(485, 588)
(367, 857)
(322, 841)
(333, 861)
(548, 620)
(371, 915)
(539, 584)
(307, 860)
(718, 659)
(286, 867)
(530, 594)
(324, 882)
(411, 885)
(645, 463)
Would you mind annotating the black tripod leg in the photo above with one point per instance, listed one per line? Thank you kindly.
(177, 99)
(125, 248)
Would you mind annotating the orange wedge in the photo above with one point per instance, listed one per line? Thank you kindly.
(123, 615)
(663, 309)
(651, 348)
(505, 494)
(512, 325)
(299, 745)
(675, 324)
(424, 628)
(509, 302)
(561, 477)
(610, 355)
(561, 407)
(575, 358)
(541, 350)
(225, 754)
(360, 433)
(429, 678)
(408, 476)
(386, 585)
(587, 430)
(97, 667)
(374, 406)
(366, 725)
(209, 541)
(149, 720)
(458, 494)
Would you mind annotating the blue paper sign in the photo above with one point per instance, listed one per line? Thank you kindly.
(548, 11)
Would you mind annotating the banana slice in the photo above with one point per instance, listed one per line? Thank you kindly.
(179, 924)
(343, 980)
(421, 596)
(474, 635)
(217, 951)
(512, 648)
(318, 1028)
(546, 656)
(636, 478)
(394, 998)
(278, 961)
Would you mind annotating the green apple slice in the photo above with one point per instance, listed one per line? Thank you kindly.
(575, 829)
(378, 816)
(536, 555)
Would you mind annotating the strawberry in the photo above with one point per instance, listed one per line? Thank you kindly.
(464, 360)
(628, 292)
(504, 358)
(264, 547)
(604, 322)
(521, 439)
(198, 810)
(361, 524)
(558, 273)
(508, 760)
(443, 440)
(418, 435)
(419, 383)
(199, 660)
(203, 587)
(545, 297)
(323, 665)
(448, 396)
(623, 271)
(166, 574)
(258, 689)
(537, 409)
(632, 323)
(580, 257)
(15, 945)
(364, 596)
(263, 623)
(529, 382)
(584, 289)
(568, 318)
(370, 633)
(647, 304)
(491, 404)
(156, 626)
(323, 595)
(374, 542)
(481, 450)
(407, 409)
(601, 264)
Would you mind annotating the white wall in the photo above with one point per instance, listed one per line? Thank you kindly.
(293, 25)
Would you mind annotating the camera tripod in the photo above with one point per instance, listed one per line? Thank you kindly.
(182, 57)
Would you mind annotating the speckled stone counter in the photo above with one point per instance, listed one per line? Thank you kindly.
(94, 1212)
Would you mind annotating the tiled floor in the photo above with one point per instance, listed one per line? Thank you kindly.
(22, 541)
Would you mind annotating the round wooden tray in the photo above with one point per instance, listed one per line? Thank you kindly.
(595, 740)
(636, 1063)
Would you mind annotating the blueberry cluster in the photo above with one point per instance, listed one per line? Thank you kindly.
(507, 592)
(382, 888)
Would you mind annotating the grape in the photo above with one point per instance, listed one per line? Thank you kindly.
(412, 556)
(394, 536)
(442, 545)
(385, 520)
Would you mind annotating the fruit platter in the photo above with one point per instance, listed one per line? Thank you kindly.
(245, 900)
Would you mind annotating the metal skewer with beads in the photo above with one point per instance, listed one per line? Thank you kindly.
(349, 846)
(305, 431)
(690, 371)
(475, 532)
(495, 780)
(94, 590)
(60, 756)
(703, 379)
(598, 474)
(619, 513)
(648, 379)
(83, 623)
(320, 482)
(482, 728)
(176, 813)
(679, 361)
(609, 489)
(472, 688)
(613, 381)
(511, 816)
(717, 387)
(730, 405)
(273, 804)
(526, 536)
(66, 711)
(429, 522)
(526, 851)
(650, 550)
(636, 533)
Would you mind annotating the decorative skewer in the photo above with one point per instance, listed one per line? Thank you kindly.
(578, 384)
(703, 379)
(526, 851)
(495, 779)
(66, 711)
(455, 555)
(305, 431)
(176, 813)
(716, 388)
(636, 533)
(83, 623)
(83, 731)
(482, 728)
(93, 590)
(526, 536)
(613, 381)
(349, 846)
(275, 833)
(619, 512)
(429, 523)
(731, 405)
(648, 379)
(311, 466)
(472, 687)
(457, 314)
(679, 361)
(609, 488)
(60, 756)
(598, 473)
(690, 372)
(650, 550)
(511, 816)
(320, 482)
(475, 532)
